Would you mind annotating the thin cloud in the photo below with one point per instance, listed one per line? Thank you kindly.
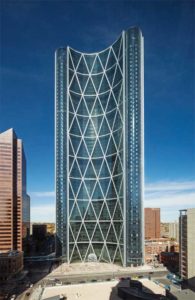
(43, 213)
(170, 196)
(43, 194)
(170, 186)
(177, 201)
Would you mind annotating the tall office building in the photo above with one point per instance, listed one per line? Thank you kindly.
(174, 230)
(187, 245)
(12, 192)
(152, 223)
(99, 152)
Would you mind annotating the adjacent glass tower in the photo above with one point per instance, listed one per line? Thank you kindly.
(99, 152)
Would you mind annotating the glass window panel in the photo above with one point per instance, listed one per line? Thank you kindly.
(97, 67)
(75, 100)
(104, 85)
(90, 144)
(103, 57)
(90, 100)
(83, 150)
(75, 128)
(111, 236)
(82, 192)
(82, 110)
(104, 128)
(90, 131)
(110, 74)
(104, 185)
(90, 173)
(97, 109)
(75, 86)
(90, 215)
(75, 57)
(75, 142)
(116, 47)
(82, 67)
(104, 215)
(89, 61)
(75, 214)
(104, 170)
(111, 60)
(97, 152)
(97, 193)
(89, 90)
(98, 235)
(82, 81)
(90, 186)
(97, 81)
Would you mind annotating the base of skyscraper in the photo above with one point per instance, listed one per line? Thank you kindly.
(100, 258)
(76, 272)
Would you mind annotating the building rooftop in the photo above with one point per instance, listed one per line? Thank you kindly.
(10, 253)
(184, 294)
(95, 291)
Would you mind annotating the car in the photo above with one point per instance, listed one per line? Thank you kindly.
(122, 278)
(28, 294)
(176, 282)
(167, 287)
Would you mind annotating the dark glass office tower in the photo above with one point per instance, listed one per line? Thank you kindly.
(99, 152)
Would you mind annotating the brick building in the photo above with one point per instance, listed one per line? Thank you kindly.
(152, 223)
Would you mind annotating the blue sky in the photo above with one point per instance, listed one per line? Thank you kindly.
(30, 32)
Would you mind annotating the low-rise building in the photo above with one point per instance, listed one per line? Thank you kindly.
(170, 260)
(174, 231)
(50, 228)
(39, 231)
(11, 263)
(154, 247)
(170, 230)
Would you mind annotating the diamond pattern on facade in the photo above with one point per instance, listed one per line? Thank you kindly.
(95, 154)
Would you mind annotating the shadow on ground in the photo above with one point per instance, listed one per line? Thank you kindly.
(133, 290)
(35, 271)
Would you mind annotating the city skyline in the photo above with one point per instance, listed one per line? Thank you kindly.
(28, 106)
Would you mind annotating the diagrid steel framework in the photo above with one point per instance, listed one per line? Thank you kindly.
(99, 152)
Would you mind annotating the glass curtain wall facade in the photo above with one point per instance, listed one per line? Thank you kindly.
(99, 152)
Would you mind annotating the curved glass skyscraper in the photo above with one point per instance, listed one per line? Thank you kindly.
(99, 152)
